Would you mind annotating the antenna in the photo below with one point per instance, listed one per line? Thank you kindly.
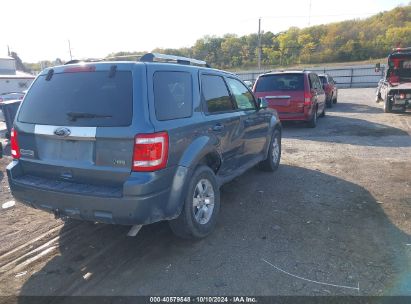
(69, 45)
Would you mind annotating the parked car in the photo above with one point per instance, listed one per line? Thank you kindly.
(134, 143)
(330, 89)
(296, 95)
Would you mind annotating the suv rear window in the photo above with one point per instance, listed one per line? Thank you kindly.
(172, 95)
(280, 82)
(88, 99)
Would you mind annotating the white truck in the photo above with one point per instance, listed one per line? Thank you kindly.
(395, 89)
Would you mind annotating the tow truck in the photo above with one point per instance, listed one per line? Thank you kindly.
(394, 90)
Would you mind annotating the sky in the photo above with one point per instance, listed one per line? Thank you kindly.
(40, 30)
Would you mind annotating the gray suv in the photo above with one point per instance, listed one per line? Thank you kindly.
(134, 143)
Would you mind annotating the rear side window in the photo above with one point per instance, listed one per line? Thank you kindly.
(243, 98)
(89, 99)
(172, 95)
(280, 82)
(215, 94)
(323, 79)
(314, 81)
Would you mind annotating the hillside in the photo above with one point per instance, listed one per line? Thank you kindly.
(347, 41)
(353, 40)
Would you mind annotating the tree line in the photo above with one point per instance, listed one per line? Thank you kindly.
(353, 40)
(345, 41)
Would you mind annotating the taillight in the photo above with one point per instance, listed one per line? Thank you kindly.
(307, 99)
(402, 96)
(14, 144)
(150, 151)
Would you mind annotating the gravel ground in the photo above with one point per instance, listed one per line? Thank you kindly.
(333, 220)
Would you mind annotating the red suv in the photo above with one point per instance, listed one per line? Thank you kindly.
(296, 95)
(330, 88)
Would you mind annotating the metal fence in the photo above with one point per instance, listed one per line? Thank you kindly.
(361, 76)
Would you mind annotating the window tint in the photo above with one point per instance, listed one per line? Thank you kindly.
(243, 98)
(172, 95)
(314, 82)
(280, 82)
(101, 100)
(318, 81)
(323, 79)
(215, 94)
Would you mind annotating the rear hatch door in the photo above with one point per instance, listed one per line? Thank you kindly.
(283, 92)
(76, 124)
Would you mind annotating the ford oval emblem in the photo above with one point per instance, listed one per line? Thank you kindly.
(62, 131)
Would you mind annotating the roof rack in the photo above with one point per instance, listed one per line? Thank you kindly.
(111, 58)
(157, 57)
(149, 57)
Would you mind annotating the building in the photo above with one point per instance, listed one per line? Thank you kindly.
(12, 80)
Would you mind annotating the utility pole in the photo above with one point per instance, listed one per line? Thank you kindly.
(71, 57)
(259, 43)
(309, 14)
(8, 51)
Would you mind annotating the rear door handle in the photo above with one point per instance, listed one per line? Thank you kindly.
(218, 127)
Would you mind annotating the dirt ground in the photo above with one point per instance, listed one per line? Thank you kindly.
(333, 220)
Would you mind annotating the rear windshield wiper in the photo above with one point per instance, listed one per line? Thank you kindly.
(75, 115)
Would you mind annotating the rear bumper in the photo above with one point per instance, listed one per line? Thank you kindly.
(304, 115)
(295, 116)
(145, 198)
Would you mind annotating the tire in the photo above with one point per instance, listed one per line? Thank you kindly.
(323, 112)
(330, 102)
(195, 222)
(271, 163)
(387, 105)
(312, 123)
(335, 99)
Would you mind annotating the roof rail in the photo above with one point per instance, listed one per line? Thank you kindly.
(157, 57)
(149, 57)
(123, 56)
(111, 58)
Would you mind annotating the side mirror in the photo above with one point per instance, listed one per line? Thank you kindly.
(377, 67)
(262, 103)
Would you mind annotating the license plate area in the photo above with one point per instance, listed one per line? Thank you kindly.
(282, 101)
(52, 149)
